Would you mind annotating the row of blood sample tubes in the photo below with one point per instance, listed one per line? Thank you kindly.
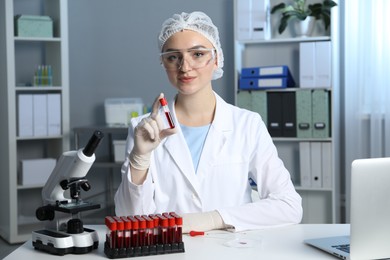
(145, 230)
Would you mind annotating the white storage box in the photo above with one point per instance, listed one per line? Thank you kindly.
(119, 111)
(36, 171)
(119, 150)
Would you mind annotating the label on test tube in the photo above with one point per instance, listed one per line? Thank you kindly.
(167, 113)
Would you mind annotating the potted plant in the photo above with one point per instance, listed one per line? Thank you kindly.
(300, 11)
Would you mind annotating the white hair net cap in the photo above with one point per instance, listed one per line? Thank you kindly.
(198, 22)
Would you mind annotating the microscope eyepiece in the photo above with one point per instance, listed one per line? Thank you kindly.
(93, 143)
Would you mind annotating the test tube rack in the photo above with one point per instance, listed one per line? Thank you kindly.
(133, 236)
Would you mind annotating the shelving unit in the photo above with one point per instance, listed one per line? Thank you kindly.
(320, 205)
(21, 56)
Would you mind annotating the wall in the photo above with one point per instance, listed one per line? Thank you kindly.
(113, 51)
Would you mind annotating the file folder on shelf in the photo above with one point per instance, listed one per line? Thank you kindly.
(304, 113)
(261, 20)
(323, 67)
(244, 100)
(327, 180)
(307, 65)
(265, 83)
(259, 104)
(321, 113)
(305, 164)
(315, 61)
(25, 115)
(40, 114)
(54, 114)
(266, 72)
(316, 164)
(281, 114)
(288, 114)
(244, 20)
(274, 111)
(253, 20)
(255, 101)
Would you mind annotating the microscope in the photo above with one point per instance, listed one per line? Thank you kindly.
(64, 232)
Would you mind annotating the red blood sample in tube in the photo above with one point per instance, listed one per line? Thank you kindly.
(119, 232)
(156, 228)
(163, 233)
(134, 233)
(171, 228)
(141, 231)
(179, 227)
(111, 231)
(149, 230)
(127, 232)
(164, 105)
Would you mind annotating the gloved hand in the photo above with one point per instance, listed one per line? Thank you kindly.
(147, 136)
(203, 221)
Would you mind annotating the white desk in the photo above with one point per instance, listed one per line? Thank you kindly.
(275, 243)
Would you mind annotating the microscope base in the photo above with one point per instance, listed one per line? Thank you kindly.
(61, 243)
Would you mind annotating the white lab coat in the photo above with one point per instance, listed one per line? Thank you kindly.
(237, 147)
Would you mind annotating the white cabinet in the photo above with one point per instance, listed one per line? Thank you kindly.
(320, 202)
(21, 56)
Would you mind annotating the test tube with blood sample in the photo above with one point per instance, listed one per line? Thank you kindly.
(149, 230)
(119, 232)
(127, 232)
(156, 228)
(141, 231)
(171, 228)
(179, 227)
(111, 231)
(134, 231)
(165, 108)
(163, 233)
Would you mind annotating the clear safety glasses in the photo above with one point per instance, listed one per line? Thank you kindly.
(196, 58)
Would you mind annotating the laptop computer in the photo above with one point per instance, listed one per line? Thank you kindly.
(370, 214)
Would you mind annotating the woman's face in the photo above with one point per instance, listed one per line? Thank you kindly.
(187, 78)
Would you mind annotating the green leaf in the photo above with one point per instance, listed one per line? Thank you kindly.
(329, 4)
(278, 7)
(326, 18)
(283, 23)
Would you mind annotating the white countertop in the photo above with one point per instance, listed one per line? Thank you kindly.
(274, 243)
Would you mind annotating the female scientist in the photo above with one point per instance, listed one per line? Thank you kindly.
(201, 168)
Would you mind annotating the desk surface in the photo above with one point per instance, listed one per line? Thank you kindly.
(274, 243)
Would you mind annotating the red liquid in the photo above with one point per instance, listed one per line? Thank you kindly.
(134, 239)
(171, 235)
(127, 239)
(142, 237)
(170, 121)
(150, 239)
(112, 239)
(164, 236)
(179, 234)
(119, 239)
